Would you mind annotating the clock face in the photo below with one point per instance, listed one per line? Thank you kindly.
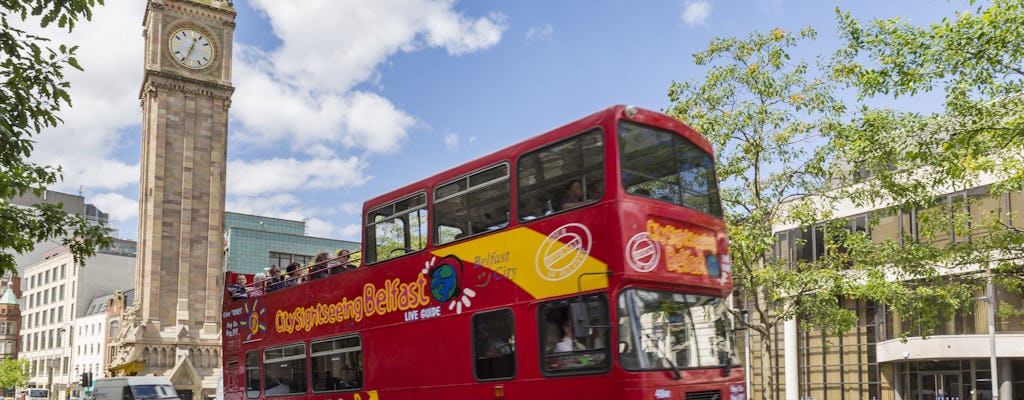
(191, 48)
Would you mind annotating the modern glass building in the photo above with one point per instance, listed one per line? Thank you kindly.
(253, 243)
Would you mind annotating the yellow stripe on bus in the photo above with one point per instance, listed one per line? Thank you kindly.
(543, 266)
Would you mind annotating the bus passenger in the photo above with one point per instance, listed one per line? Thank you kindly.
(292, 277)
(259, 282)
(319, 268)
(238, 290)
(276, 280)
(568, 342)
(342, 263)
(573, 196)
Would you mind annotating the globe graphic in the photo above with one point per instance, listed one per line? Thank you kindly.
(443, 282)
(713, 269)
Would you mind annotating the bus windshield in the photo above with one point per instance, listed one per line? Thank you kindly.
(661, 329)
(662, 165)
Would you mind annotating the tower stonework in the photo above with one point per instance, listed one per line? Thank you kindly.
(173, 325)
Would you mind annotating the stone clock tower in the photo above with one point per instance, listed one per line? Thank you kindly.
(173, 326)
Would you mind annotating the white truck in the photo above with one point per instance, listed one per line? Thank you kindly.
(134, 388)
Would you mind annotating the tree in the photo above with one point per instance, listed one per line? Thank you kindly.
(974, 61)
(13, 372)
(769, 121)
(32, 93)
(782, 141)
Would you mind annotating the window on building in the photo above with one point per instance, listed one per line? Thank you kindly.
(284, 370)
(62, 268)
(114, 328)
(494, 345)
(60, 314)
(47, 275)
(1015, 207)
(397, 228)
(337, 364)
(252, 374)
(6, 327)
(473, 204)
(61, 292)
(561, 176)
(283, 259)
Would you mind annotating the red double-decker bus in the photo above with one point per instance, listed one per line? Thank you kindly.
(588, 262)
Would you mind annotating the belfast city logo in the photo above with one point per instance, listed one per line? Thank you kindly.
(252, 322)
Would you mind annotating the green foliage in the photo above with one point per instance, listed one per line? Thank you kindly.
(31, 94)
(13, 372)
(770, 120)
(789, 153)
(975, 60)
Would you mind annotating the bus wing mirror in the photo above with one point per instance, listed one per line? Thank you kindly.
(580, 314)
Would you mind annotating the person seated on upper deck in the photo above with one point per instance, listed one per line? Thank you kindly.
(319, 268)
(238, 289)
(277, 280)
(292, 275)
(573, 196)
(342, 262)
(259, 282)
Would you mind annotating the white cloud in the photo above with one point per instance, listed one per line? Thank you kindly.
(248, 178)
(319, 228)
(696, 12)
(540, 32)
(302, 91)
(451, 142)
(351, 232)
(296, 113)
(118, 206)
(103, 119)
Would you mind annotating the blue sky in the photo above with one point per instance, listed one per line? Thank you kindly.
(338, 101)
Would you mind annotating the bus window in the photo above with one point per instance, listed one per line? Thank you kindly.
(337, 364)
(566, 350)
(397, 228)
(284, 370)
(494, 345)
(660, 329)
(561, 176)
(472, 204)
(662, 165)
(252, 374)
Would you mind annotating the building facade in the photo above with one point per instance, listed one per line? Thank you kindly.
(90, 339)
(56, 292)
(873, 361)
(254, 243)
(185, 96)
(10, 317)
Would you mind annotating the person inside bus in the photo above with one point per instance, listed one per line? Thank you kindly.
(596, 190)
(568, 341)
(348, 380)
(573, 195)
(238, 290)
(342, 262)
(319, 268)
